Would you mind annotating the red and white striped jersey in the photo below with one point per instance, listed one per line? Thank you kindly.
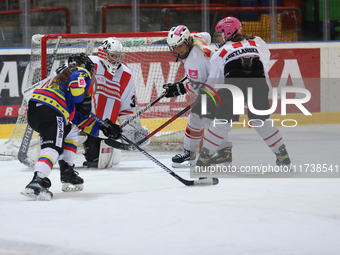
(197, 64)
(114, 95)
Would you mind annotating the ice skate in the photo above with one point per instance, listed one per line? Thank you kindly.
(223, 156)
(70, 179)
(183, 159)
(282, 158)
(38, 188)
(203, 162)
(204, 158)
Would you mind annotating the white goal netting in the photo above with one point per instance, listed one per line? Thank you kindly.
(151, 63)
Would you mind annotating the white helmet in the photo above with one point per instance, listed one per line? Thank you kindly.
(178, 35)
(111, 54)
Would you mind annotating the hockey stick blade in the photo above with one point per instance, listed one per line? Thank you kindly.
(206, 182)
(22, 154)
(200, 182)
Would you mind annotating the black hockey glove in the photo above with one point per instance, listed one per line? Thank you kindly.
(112, 130)
(174, 89)
(84, 108)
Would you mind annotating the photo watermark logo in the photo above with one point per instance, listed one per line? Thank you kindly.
(238, 103)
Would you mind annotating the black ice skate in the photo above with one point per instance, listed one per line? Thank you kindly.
(222, 156)
(183, 159)
(69, 178)
(203, 161)
(38, 188)
(204, 158)
(282, 158)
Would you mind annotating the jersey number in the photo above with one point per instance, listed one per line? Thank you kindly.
(133, 101)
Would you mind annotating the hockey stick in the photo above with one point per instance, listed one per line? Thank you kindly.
(125, 123)
(22, 154)
(129, 147)
(200, 182)
(147, 107)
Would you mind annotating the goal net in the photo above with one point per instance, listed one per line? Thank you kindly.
(152, 65)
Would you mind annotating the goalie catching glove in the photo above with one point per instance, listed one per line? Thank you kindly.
(174, 89)
(112, 131)
(84, 108)
(134, 131)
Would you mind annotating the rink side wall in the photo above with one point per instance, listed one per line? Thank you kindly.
(317, 65)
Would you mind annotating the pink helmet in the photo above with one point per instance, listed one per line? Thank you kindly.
(230, 26)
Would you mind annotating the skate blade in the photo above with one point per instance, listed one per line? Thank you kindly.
(182, 165)
(69, 187)
(43, 196)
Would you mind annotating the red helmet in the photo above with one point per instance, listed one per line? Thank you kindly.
(229, 27)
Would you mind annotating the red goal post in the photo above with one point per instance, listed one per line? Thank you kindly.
(150, 61)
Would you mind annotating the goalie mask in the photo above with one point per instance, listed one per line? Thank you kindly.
(180, 41)
(111, 54)
(226, 29)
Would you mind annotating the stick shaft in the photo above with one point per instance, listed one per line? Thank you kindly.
(147, 107)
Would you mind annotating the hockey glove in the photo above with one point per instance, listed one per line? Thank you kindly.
(174, 89)
(84, 108)
(112, 131)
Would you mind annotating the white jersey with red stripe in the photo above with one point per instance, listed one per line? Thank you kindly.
(114, 95)
(197, 64)
(234, 50)
(197, 68)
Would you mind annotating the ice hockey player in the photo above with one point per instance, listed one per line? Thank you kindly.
(113, 97)
(51, 111)
(195, 52)
(240, 57)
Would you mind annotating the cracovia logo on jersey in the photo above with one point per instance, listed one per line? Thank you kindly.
(193, 74)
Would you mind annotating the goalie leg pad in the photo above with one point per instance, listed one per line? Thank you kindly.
(108, 156)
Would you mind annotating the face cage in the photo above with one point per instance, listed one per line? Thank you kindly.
(218, 34)
(119, 59)
(184, 56)
(112, 66)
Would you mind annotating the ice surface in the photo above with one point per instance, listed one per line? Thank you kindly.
(138, 208)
